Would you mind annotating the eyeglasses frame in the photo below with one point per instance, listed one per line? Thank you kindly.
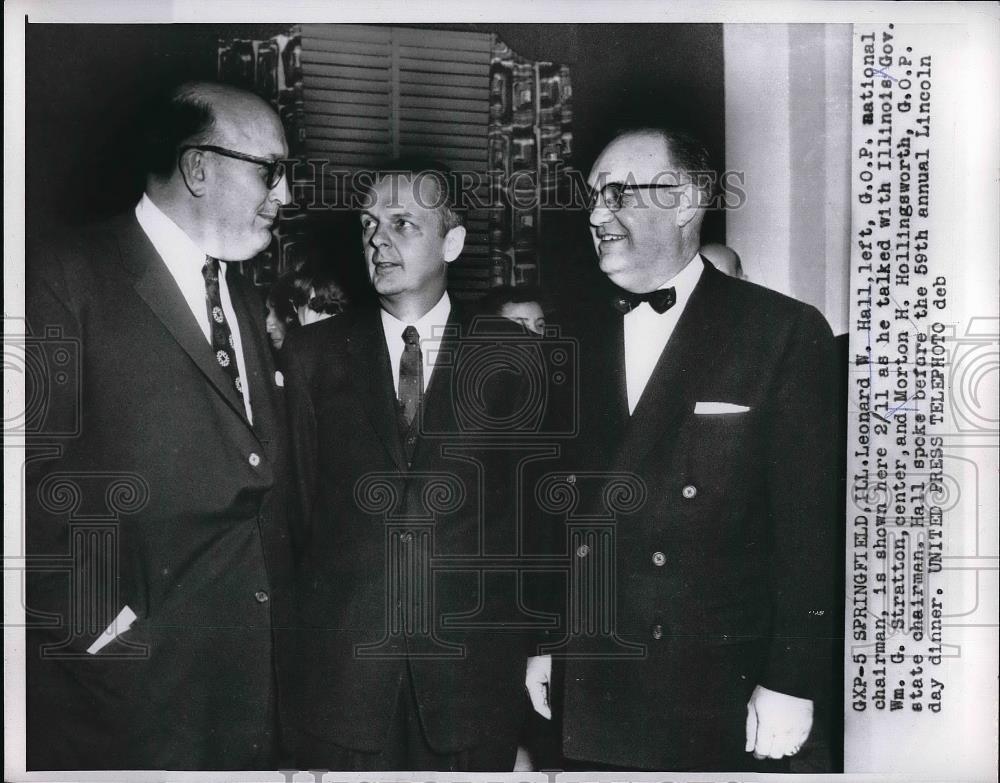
(275, 168)
(626, 187)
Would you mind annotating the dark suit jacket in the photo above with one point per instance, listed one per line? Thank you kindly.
(724, 572)
(141, 437)
(372, 523)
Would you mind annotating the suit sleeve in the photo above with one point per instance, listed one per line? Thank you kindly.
(802, 503)
(53, 394)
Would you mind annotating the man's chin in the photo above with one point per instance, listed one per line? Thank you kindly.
(385, 287)
(614, 266)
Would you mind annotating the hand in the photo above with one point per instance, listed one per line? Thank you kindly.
(537, 677)
(777, 724)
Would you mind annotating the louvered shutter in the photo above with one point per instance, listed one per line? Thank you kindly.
(375, 92)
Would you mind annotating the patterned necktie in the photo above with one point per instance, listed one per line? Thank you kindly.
(222, 338)
(411, 376)
(660, 300)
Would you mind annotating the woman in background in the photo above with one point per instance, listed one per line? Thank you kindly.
(302, 295)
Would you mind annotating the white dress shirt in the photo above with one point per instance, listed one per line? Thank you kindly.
(647, 331)
(430, 327)
(185, 261)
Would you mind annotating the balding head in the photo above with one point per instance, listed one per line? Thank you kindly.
(211, 159)
(724, 258)
(199, 113)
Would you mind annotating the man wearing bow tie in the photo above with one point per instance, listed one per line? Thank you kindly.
(158, 524)
(403, 665)
(716, 395)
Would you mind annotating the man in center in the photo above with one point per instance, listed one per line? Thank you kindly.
(401, 668)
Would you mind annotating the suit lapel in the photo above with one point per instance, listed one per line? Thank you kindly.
(603, 393)
(689, 355)
(158, 289)
(371, 375)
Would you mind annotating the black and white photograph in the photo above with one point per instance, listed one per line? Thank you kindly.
(554, 394)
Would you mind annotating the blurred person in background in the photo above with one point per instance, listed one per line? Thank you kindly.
(725, 259)
(525, 305)
(303, 295)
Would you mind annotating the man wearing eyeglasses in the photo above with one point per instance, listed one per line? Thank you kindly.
(157, 650)
(716, 395)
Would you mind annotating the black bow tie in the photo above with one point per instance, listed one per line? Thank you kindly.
(660, 300)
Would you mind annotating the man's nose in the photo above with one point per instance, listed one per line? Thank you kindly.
(281, 193)
(600, 214)
(380, 237)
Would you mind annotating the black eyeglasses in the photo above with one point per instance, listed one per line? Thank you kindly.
(275, 169)
(613, 194)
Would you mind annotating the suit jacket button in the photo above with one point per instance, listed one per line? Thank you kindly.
(254, 459)
(657, 631)
(262, 597)
(583, 550)
(407, 537)
(689, 491)
(571, 478)
(659, 559)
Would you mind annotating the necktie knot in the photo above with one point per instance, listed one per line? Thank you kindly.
(660, 300)
(411, 336)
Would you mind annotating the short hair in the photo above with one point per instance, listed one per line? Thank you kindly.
(182, 115)
(306, 285)
(414, 167)
(688, 153)
(495, 299)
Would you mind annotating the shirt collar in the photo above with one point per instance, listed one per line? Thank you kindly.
(430, 325)
(175, 247)
(684, 281)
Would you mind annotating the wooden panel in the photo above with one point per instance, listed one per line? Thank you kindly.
(472, 107)
(371, 89)
(332, 33)
(417, 122)
(321, 111)
(445, 151)
(425, 65)
(312, 45)
(336, 99)
(343, 60)
(445, 140)
(326, 131)
(446, 40)
(438, 55)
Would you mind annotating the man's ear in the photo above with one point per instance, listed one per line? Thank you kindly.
(689, 204)
(454, 241)
(193, 171)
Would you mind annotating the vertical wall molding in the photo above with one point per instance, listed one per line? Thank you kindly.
(788, 126)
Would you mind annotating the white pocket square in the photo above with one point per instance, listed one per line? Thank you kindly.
(710, 408)
(279, 379)
(118, 626)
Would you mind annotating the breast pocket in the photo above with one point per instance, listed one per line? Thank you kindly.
(722, 452)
